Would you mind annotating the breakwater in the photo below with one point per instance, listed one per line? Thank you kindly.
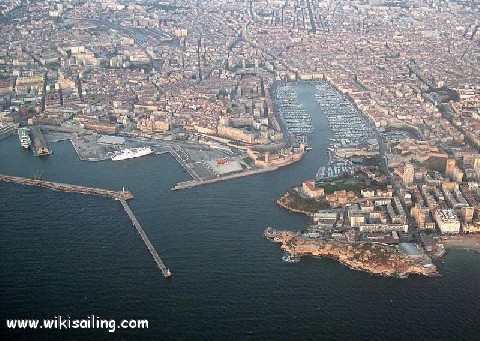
(165, 271)
(58, 186)
(123, 196)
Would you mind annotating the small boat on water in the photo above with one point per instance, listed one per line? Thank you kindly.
(168, 274)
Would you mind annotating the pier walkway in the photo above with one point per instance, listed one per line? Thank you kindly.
(156, 257)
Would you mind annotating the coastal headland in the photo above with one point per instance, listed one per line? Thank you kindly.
(377, 259)
(294, 201)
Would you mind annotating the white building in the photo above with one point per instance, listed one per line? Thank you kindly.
(447, 221)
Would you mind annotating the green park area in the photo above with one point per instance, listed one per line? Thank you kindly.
(350, 184)
(293, 200)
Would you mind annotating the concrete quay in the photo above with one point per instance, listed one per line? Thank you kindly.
(181, 159)
(40, 145)
(195, 183)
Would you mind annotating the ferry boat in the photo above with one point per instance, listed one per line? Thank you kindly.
(131, 153)
(24, 138)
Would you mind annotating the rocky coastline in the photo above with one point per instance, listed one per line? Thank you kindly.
(282, 203)
(376, 259)
(293, 201)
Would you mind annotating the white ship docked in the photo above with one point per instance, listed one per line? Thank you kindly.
(131, 153)
(24, 138)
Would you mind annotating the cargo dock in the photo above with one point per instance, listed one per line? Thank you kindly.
(122, 196)
(40, 145)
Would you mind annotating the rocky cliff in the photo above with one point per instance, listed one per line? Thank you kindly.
(377, 259)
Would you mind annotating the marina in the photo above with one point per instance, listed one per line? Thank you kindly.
(350, 127)
(334, 168)
(292, 113)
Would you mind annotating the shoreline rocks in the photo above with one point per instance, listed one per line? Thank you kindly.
(376, 259)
